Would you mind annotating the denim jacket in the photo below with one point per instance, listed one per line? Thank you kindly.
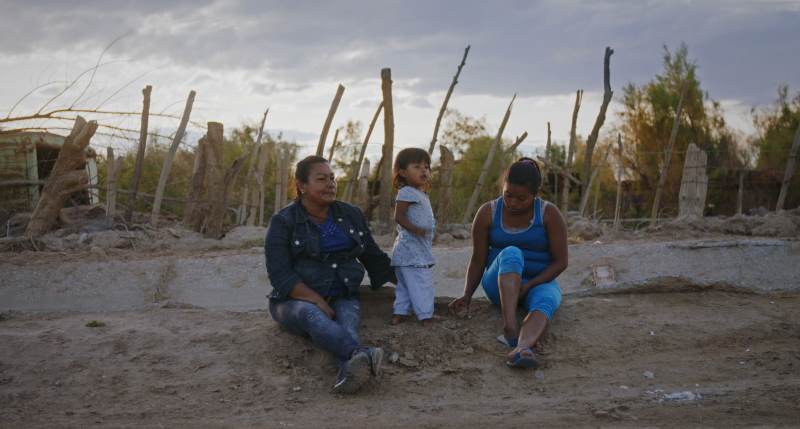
(292, 250)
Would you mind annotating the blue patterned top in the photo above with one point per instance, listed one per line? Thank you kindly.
(411, 250)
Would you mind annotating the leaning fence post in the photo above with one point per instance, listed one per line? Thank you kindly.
(789, 172)
(170, 156)
(473, 199)
(331, 112)
(137, 170)
(385, 199)
(620, 172)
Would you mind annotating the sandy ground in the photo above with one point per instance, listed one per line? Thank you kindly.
(692, 336)
(716, 359)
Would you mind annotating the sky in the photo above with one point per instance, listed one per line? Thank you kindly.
(244, 56)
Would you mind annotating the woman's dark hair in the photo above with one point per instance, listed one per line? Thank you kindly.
(303, 170)
(525, 172)
(407, 156)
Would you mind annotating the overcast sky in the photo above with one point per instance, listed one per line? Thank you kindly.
(244, 56)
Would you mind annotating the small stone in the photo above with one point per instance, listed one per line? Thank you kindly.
(296, 389)
(394, 357)
(408, 355)
(539, 374)
(652, 333)
(469, 350)
(83, 238)
(623, 387)
(648, 374)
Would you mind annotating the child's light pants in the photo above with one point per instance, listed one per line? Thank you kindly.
(414, 291)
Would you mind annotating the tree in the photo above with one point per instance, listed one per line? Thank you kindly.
(646, 122)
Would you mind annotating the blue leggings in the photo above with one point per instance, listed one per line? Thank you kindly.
(545, 297)
(338, 336)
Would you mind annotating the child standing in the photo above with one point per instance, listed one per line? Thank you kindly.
(412, 256)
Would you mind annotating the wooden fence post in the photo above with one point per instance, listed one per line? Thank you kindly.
(216, 180)
(385, 199)
(67, 177)
(447, 161)
(333, 145)
(363, 198)
(473, 199)
(585, 196)
(694, 183)
(247, 208)
(620, 173)
(113, 168)
(331, 112)
(502, 161)
(193, 210)
(169, 157)
(443, 109)
(354, 174)
(570, 152)
(789, 172)
(740, 196)
(137, 170)
(281, 180)
(662, 178)
(591, 141)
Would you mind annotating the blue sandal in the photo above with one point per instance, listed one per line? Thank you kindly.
(510, 343)
(523, 359)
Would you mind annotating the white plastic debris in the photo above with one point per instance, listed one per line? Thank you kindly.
(686, 395)
(648, 374)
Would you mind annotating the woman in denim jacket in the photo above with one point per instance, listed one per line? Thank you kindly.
(317, 250)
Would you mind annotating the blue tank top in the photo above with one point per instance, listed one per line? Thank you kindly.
(532, 241)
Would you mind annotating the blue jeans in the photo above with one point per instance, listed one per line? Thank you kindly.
(545, 297)
(338, 336)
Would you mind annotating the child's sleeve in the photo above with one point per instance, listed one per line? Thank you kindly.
(406, 193)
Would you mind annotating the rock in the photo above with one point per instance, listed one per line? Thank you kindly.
(98, 251)
(584, 229)
(469, 350)
(408, 363)
(296, 389)
(539, 374)
(394, 357)
(648, 374)
(408, 355)
(777, 225)
(109, 240)
(83, 238)
(445, 238)
(246, 235)
(76, 214)
(53, 243)
(460, 234)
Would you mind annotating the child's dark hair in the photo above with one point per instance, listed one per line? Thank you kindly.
(407, 156)
(303, 170)
(525, 172)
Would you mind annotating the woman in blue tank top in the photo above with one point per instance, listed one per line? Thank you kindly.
(519, 247)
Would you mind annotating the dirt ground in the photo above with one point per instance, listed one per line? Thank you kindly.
(677, 359)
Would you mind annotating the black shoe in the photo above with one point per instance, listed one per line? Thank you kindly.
(354, 373)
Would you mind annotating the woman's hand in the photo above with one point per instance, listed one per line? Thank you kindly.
(323, 305)
(460, 306)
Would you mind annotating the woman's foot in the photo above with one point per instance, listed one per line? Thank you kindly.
(522, 357)
(353, 373)
(398, 319)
